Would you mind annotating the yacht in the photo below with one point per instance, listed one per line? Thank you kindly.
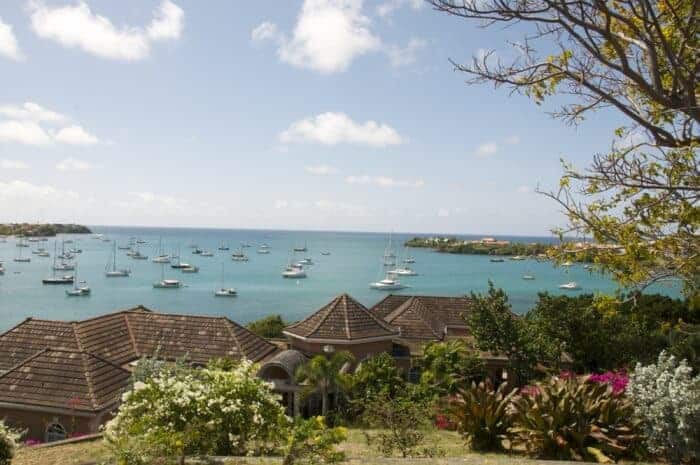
(570, 286)
(528, 277)
(225, 291)
(78, 291)
(65, 279)
(239, 256)
(167, 284)
(409, 260)
(139, 256)
(19, 258)
(306, 261)
(496, 260)
(165, 258)
(190, 269)
(206, 253)
(325, 252)
(518, 258)
(223, 246)
(388, 284)
(263, 250)
(21, 242)
(111, 270)
(294, 272)
(402, 271)
(63, 266)
(43, 253)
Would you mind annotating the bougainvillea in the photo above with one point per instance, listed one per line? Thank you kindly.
(618, 380)
(8, 443)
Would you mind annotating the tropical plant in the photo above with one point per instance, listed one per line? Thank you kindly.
(482, 414)
(374, 377)
(568, 418)
(402, 420)
(312, 442)
(323, 374)
(448, 365)
(9, 440)
(667, 400)
(202, 411)
(268, 327)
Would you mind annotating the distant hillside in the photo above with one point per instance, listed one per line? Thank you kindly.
(44, 230)
(485, 246)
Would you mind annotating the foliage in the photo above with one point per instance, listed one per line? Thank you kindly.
(324, 375)
(459, 246)
(617, 380)
(151, 367)
(482, 414)
(667, 399)
(374, 377)
(268, 327)
(447, 365)
(567, 418)
(194, 412)
(402, 419)
(9, 440)
(498, 330)
(312, 442)
(638, 58)
(41, 229)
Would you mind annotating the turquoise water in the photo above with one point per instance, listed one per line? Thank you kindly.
(355, 261)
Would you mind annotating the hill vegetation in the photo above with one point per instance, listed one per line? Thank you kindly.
(41, 229)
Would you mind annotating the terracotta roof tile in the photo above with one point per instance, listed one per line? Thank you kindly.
(30, 336)
(423, 317)
(343, 318)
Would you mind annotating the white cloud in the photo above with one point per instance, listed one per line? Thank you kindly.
(281, 204)
(337, 128)
(8, 43)
(523, 189)
(153, 203)
(443, 213)
(265, 31)
(402, 56)
(23, 132)
(486, 149)
(31, 111)
(340, 208)
(321, 170)
(13, 165)
(513, 140)
(75, 135)
(72, 164)
(328, 36)
(27, 193)
(76, 26)
(386, 9)
(384, 181)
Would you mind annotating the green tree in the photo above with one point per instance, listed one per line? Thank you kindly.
(323, 374)
(638, 58)
(377, 376)
(448, 365)
(268, 327)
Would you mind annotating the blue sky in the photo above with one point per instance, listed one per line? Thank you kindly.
(315, 114)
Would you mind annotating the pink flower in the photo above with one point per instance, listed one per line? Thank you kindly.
(617, 380)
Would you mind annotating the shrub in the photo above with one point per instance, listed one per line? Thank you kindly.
(268, 327)
(667, 400)
(572, 419)
(448, 365)
(197, 412)
(311, 442)
(617, 380)
(374, 377)
(8, 443)
(482, 414)
(403, 419)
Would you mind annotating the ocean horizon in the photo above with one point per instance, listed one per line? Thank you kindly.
(354, 262)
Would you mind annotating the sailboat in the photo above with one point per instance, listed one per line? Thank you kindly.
(223, 246)
(137, 255)
(161, 257)
(239, 256)
(402, 271)
(65, 279)
(166, 283)
(301, 249)
(19, 258)
(389, 254)
(388, 284)
(78, 291)
(571, 285)
(177, 264)
(2, 269)
(225, 291)
(112, 271)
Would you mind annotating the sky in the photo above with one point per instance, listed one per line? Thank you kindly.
(309, 114)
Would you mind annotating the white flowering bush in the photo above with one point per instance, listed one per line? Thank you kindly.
(197, 412)
(667, 400)
(8, 443)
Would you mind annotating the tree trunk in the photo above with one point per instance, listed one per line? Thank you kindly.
(324, 402)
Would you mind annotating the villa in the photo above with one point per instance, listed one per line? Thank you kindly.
(60, 378)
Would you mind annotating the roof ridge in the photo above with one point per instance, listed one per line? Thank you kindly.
(330, 306)
(232, 324)
(26, 360)
(227, 323)
(127, 323)
(399, 310)
(344, 300)
(78, 343)
(419, 315)
(88, 378)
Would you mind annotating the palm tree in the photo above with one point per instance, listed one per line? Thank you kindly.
(323, 374)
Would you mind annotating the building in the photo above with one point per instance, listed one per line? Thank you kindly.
(61, 378)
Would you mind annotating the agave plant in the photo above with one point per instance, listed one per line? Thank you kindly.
(481, 414)
(571, 419)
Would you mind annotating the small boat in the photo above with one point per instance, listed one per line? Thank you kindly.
(239, 256)
(570, 286)
(300, 249)
(66, 279)
(223, 246)
(167, 284)
(496, 260)
(518, 257)
(388, 284)
(588, 267)
(263, 251)
(294, 272)
(528, 277)
(409, 260)
(567, 263)
(161, 259)
(111, 270)
(190, 269)
(2, 269)
(325, 252)
(306, 261)
(197, 251)
(63, 266)
(139, 256)
(402, 271)
(225, 291)
(44, 254)
(79, 291)
(206, 253)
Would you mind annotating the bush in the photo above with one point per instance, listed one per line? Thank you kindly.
(196, 412)
(667, 400)
(268, 327)
(448, 365)
(573, 419)
(374, 377)
(8, 443)
(482, 415)
(311, 442)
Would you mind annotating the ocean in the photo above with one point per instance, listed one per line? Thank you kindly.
(355, 260)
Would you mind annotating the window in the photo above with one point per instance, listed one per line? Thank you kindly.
(55, 432)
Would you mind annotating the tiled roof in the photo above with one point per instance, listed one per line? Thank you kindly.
(64, 379)
(125, 336)
(343, 318)
(423, 317)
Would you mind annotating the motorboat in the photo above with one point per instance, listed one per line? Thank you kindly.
(22, 259)
(65, 279)
(180, 265)
(518, 258)
(82, 291)
(223, 247)
(570, 286)
(2, 269)
(239, 256)
(206, 253)
(409, 260)
(226, 292)
(197, 251)
(388, 284)
(167, 284)
(567, 263)
(497, 260)
(528, 277)
(43, 254)
(140, 241)
(325, 253)
(306, 261)
(161, 259)
(263, 251)
(137, 255)
(63, 266)
(402, 271)
(111, 270)
(190, 269)
(294, 272)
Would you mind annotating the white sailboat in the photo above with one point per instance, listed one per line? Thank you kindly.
(111, 270)
(78, 291)
(166, 283)
(65, 279)
(225, 291)
(402, 271)
(388, 284)
(294, 272)
(239, 256)
(570, 286)
(161, 257)
(176, 263)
